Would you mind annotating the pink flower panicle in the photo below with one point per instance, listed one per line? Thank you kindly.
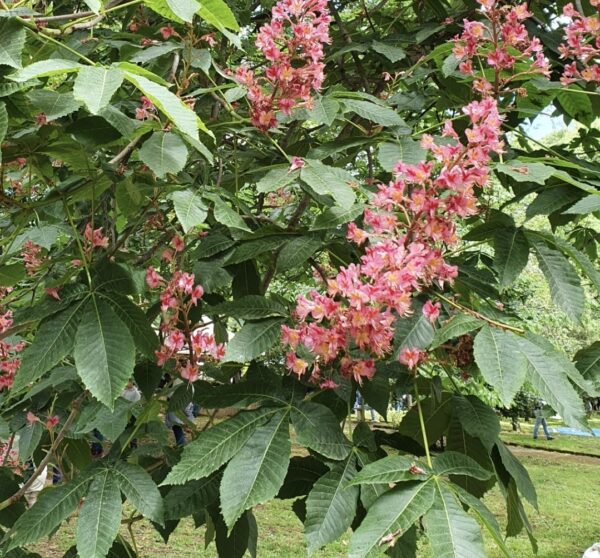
(31, 257)
(185, 343)
(407, 227)
(9, 361)
(582, 43)
(501, 42)
(95, 237)
(292, 44)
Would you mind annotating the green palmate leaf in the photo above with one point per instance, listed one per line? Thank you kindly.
(394, 468)
(565, 286)
(415, 331)
(276, 179)
(100, 517)
(153, 52)
(145, 338)
(552, 199)
(295, 252)
(251, 307)
(123, 124)
(376, 392)
(53, 104)
(94, 5)
(390, 516)
(240, 394)
(369, 492)
(458, 325)
(253, 340)
(452, 533)
(582, 261)
(169, 104)
(95, 86)
(405, 150)
(500, 362)
(228, 217)
(331, 505)
(483, 515)
(454, 463)
(317, 428)
(104, 351)
(217, 445)
(511, 255)
(576, 105)
(478, 419)
(526, 172)
(335, 216)
(29, 439)
(139, 488)
(193, 497)
(547, 376)
(46, 68)
(3, 126)
(54, 340)
(518, 473)
(175, 10)
(568, 367)
(588, 362)
(12, 41)
(257, 472)
(384, 116)
(329, 181)
(253, 248)
(201, 58)
(53, 506)
(324, 110)
(218, 14)
(436, 416)
(189, 208)
(12, 273)
(164, 153)
(589, 204)
(391, 52)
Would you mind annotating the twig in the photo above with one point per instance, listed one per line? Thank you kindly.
(17, 495)
(125, 152)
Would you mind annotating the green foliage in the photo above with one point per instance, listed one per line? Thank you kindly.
(102, 124)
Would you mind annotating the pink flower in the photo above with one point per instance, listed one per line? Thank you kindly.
(297, 365)
(431, 310)
(209, 38)
(31, 418)
(41, 119)
(178, 243)
(190, 373)
(153, 279)
(297, 163)
(51, 422)
(167, 31)
(95, 237)
(410, 357)
(53, 292)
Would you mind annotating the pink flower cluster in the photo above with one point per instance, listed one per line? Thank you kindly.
(95, 237)
(31, 257)
(582, 43)
(504, 44)
(9, 361)
(293, 47)
(184, 342)
(408, 226)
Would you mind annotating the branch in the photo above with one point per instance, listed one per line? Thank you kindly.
(125, 152)
(17, 495)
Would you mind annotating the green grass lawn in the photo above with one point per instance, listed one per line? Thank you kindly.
(569, 497)
(584, 444)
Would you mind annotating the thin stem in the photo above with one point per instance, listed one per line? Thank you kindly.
(17, 495)
(478, 315)
(422, 422)
(78, 241)
(43, 36)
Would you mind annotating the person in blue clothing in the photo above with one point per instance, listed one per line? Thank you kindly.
(540, 420)
(358, 405)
